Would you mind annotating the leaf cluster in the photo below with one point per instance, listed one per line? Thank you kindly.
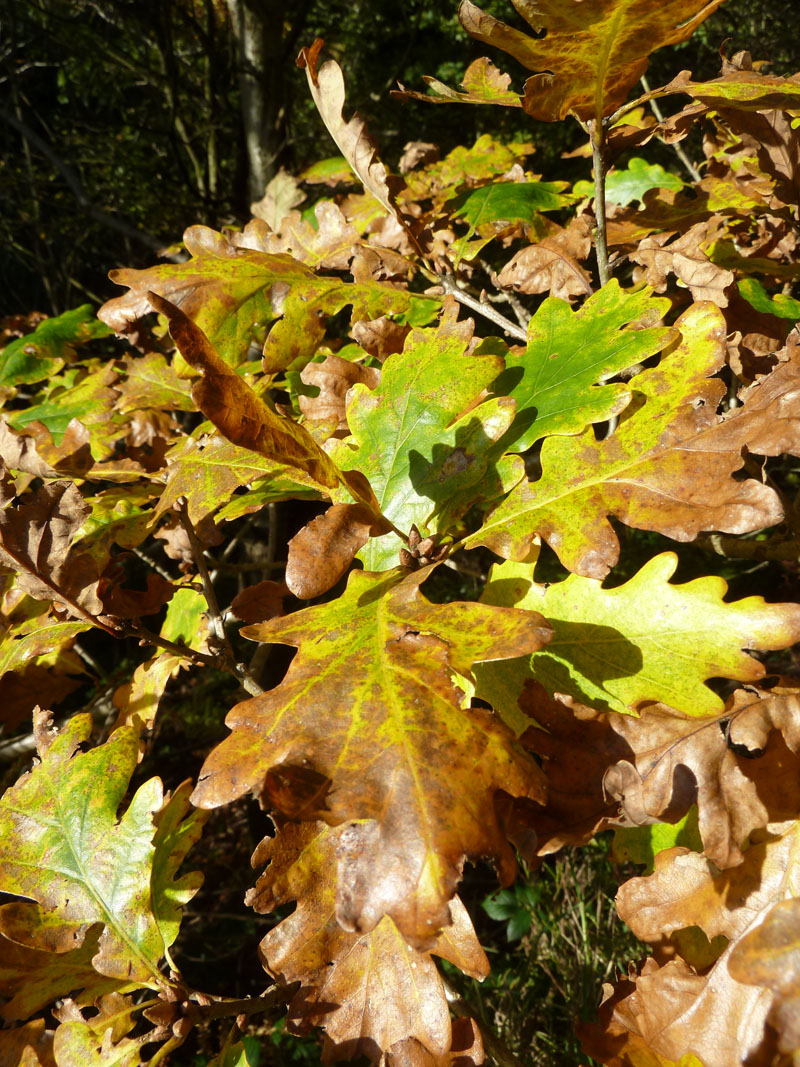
(314, 374)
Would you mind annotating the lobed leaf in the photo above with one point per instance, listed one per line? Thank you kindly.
(606, 652)
(369, 991)
(62, 846)
(595, 50)
(393, 741)
(409, 442)
(668, 467)
(555, 380)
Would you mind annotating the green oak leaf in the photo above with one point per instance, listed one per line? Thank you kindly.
(508, 202)
(119, 515)
(501, 682)
(40, 354)
(63, 845)
(668, 467)
(37, 638)
(641, 844)
(785, 307)
(649, 641)
(369, 704)
(630, 183)
(409, 442)
(554, 381)
(186, 618)
(233, 294)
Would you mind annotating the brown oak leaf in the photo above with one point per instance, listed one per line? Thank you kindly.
(552, 266)
(372, 992)
(369, 704)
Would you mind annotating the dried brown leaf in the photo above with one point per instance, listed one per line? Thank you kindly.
(334, 376)
(371, 992)
(259, 602)
(684, 258)
(36, 539)
(353, 138)
(610, 770)
(320, 554)
(552, 266)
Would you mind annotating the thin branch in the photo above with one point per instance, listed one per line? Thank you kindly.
(786, 549)
(200, 658)
(598, 139)
(451, 288)
(691, 169)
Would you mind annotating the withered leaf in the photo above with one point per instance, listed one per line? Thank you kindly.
(259, 602)
(352, 137)
(394, 740)
(685, 258)
(243, 417)
(596, 49)
(369, 991)
(611, 770)
(36, 539)
(552, 265)
(334, 376)
(319, 555)
(719, 1019)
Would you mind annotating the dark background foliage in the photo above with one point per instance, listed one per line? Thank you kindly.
(124, 121)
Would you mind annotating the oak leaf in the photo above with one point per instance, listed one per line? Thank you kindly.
(33, 976)
(715, 1016)
(408, 440)
(569, 353)
(483, 83)
(685, 258)
(395, 743)
(596, 51)
(668, 467)
(62, 846)
(245, 419)
(605, 652)
(334, 376)
(320, 554)
(352, 137)
(609, 770)
(206, 470)
(36, 540)
(41, 354)
(232, 294)
(331, 244)
(369, 991)
(552, 264)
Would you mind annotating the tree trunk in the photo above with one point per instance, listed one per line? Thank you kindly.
(258, 30)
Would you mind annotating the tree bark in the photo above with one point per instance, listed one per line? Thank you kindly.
(259, 28)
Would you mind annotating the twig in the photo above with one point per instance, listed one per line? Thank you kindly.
(143, 556)
(787, 549)
(214, 615)
(692, 170)
(201, 658)
(598, 141)
(451, 288)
